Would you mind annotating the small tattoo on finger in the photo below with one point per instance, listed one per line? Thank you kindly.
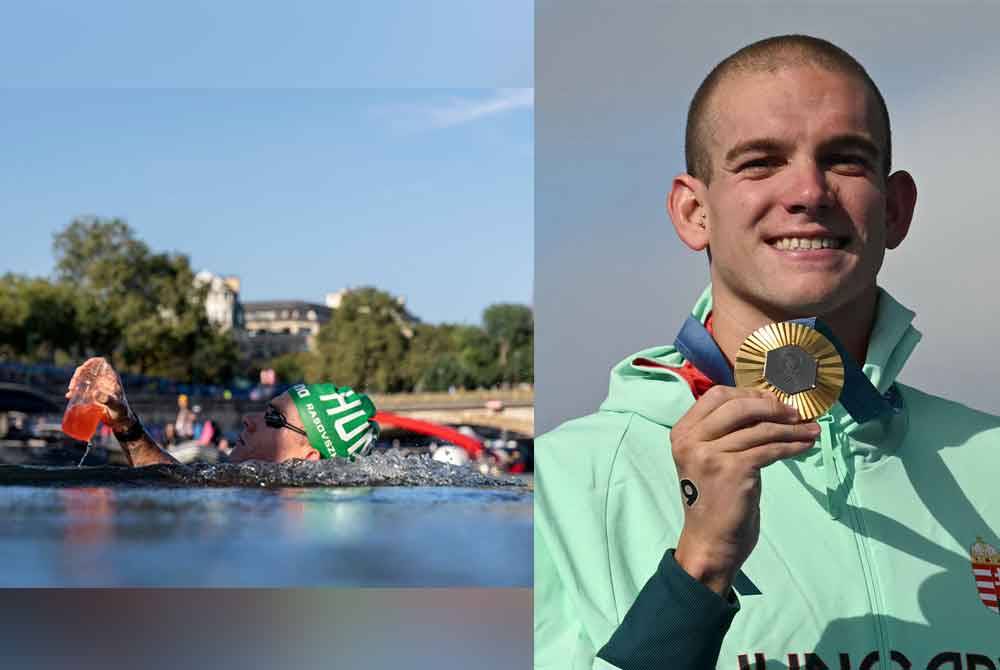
(689, 491)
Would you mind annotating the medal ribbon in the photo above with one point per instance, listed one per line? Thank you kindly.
(859, 396)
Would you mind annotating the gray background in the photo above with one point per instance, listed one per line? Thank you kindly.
(613, 81)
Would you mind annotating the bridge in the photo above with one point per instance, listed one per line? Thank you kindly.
(512, 410)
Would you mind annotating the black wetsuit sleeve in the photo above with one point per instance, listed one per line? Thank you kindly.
(675, 622)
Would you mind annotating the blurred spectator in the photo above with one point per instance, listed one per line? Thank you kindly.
(169, 435)
(184, 425)
(196, 422)
(210, 433)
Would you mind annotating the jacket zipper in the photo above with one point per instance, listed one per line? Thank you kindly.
(875, 603)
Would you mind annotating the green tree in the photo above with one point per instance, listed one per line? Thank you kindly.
(216, 358)
(522, 363)
(140, 308)
(512, 328)
(364, 345)
(428, 344)
(296, 367)
(100, 254)
(479, 356)
(446, 355)
(444, 372)
(97, 325)
(37, 318)
(51, 322)
(14, 310)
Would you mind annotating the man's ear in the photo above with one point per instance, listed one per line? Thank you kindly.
(686, 207)
(900, 201)
(308, 452)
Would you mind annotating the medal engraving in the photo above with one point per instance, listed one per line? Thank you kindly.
(791, 369)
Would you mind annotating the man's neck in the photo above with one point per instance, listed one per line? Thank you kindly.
(734, 319)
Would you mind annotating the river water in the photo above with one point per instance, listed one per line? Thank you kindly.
(387, 520)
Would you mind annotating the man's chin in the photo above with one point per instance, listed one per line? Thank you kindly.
(802, 307)
(807, 299)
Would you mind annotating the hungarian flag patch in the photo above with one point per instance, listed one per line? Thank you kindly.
(986, 570)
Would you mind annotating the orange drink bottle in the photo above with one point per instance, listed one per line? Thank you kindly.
(82, 412)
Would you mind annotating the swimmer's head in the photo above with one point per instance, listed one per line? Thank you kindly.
(309, 422)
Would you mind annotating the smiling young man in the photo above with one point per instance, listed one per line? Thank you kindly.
(307, 422)
(693, 524)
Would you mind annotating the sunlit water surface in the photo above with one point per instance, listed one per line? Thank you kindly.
(387, 520)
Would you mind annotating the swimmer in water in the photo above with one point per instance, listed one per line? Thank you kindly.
(308, 422)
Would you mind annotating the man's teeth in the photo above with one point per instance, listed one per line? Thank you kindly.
(790, 243)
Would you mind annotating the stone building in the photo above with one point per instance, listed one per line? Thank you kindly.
(222, 303)
(278, 327)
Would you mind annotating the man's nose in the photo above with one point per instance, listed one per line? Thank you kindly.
(249, 423)
(808, 191)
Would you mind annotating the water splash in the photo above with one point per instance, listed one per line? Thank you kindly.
(388, 468)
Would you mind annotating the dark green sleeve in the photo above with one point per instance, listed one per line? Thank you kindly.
(675, 622)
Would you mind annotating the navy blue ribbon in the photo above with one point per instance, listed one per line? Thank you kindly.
(859, 396)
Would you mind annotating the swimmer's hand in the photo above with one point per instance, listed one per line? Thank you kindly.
(108, 392)
(140, 449)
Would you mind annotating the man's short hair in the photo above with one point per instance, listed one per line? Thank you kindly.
(770, 55)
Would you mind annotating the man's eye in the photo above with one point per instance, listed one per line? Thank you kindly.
(850, 160)
(759, 164)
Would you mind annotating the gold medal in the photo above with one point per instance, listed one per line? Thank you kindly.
(794, 362)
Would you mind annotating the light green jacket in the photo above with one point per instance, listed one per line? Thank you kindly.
(866, 539)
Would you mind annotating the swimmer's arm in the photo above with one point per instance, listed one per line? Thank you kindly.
(140, 449)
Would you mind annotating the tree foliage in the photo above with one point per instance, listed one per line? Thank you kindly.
(370, 344)
(446, 356)
(513, 329)
(37, 317)
(302, 366)
(364, 343)
(114, 297)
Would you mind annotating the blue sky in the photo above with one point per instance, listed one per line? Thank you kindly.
(304, 147)
(424, 193)
(295, 43)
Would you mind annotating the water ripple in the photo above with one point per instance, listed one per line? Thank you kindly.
(389, 468)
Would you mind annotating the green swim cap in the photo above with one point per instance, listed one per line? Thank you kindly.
(337, 420)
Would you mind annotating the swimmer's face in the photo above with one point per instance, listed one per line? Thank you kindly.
(260, 442)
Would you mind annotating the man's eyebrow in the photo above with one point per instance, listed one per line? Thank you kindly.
(852, 141)
(840, 142)
(762, 144)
